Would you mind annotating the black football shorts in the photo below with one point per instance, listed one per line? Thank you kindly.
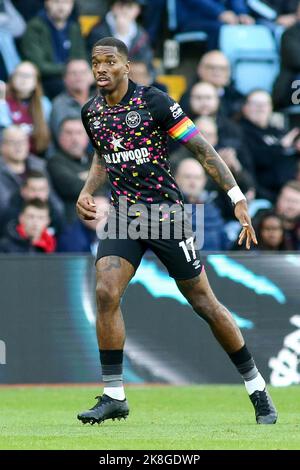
(179, 255)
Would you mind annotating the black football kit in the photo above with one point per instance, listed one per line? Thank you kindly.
(132, 138)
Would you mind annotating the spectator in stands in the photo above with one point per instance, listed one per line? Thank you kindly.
(210, 15)
(10, 19)
(15, 163)
(153, 16)
(9, 57)
(78, 79)
(204, 101)
(12, 26)
(270, 232)
(288, 207)
(272, 152)
(35, 186)
(191, 179)
(82, 236)
(27, 106)
(51, 39)
(29, 234)
(121, 22)
(69, 166)
(142, 74)
(283, 14)
(30, 8)
(214, 68)
(290, 65)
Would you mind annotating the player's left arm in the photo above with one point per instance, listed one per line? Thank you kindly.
(168, 114)
(221, 174)
(211, 161)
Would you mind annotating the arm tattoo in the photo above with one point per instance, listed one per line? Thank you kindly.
(96, 176)
(211, 162)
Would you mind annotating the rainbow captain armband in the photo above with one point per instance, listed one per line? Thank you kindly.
(184, 130)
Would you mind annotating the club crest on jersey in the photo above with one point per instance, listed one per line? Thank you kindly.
(133, 119)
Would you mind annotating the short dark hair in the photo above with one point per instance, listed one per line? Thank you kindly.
(37, 203)
(34, 174)
(113, 42)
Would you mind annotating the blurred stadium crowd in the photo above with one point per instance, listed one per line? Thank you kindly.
(234, 66)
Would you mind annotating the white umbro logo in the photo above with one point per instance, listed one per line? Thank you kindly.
(197, 264)
(96, 124)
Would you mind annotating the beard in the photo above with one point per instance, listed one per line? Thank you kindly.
(104, 92)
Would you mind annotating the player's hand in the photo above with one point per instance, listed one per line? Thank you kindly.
(86, 207)
(247, 233)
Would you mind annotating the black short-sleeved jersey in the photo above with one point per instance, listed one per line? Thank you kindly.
(132, 138)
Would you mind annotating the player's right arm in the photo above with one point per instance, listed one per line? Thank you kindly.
(85, 206)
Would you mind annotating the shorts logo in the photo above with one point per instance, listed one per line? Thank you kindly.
(197, 264)
(133, 119)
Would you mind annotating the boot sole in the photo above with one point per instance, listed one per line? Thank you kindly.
(92, 421)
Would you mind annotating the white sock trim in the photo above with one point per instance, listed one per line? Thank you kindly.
(255, 384)
(117, 393)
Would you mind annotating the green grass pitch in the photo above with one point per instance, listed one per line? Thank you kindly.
(161, 417)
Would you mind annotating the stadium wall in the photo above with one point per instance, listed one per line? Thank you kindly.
(48, 314)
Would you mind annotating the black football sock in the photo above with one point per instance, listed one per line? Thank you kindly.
(244, 362)
(112, 372)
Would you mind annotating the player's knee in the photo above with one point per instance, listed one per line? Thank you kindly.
(107, 297)
(205, 307)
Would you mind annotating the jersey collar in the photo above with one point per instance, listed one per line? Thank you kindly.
(129, 93)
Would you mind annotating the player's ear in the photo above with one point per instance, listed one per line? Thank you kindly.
(127, 68)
